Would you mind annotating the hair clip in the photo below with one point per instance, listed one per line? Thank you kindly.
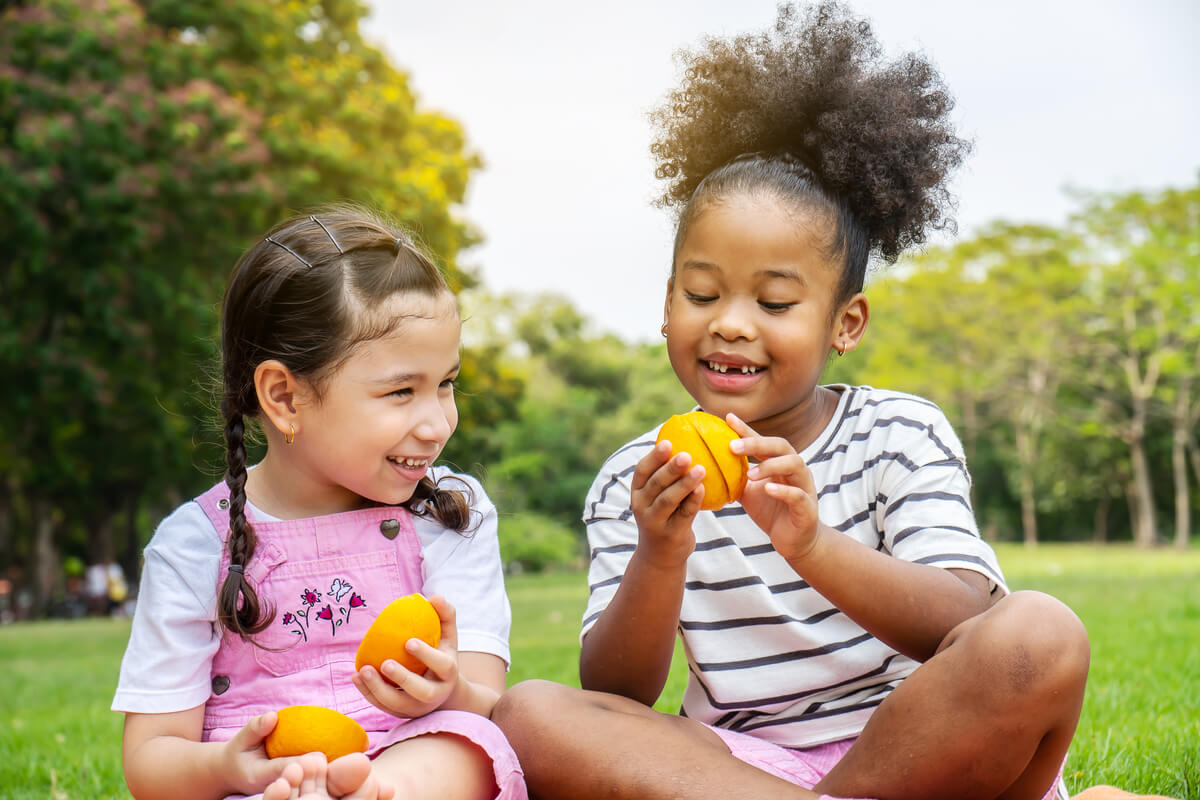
(330, 235)
(299, 258)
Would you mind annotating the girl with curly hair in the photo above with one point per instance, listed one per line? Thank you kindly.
(848, 632)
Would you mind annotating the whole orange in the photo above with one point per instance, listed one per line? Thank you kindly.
(706, 439)
(408, 617)
(309, 729)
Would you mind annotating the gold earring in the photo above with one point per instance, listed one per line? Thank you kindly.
(290, 436)
(663, 330)
(841, 351)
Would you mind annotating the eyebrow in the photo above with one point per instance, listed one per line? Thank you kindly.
(783, 274)
(407, 377)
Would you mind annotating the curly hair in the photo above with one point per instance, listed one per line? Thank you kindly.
(811, 110)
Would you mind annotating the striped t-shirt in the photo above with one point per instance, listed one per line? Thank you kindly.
(767, 654)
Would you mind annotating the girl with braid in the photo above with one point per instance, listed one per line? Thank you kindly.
(848, 632)
(340, 340)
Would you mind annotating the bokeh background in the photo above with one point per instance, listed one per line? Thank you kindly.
(143, 146)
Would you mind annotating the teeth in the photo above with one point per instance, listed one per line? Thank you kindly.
(409, 462)
(723, 368)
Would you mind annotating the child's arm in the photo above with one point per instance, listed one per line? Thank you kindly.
(163, 752)
(909, 606)
(452, 680)
(628, 650)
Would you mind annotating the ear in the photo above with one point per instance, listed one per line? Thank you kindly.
(279, 392)
(667, 303)
(851, 323)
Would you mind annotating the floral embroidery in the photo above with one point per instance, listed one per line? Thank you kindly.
(298, 620)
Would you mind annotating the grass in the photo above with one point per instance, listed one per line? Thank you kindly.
(1140, 728)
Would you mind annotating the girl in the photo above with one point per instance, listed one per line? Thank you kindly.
(847, 631)
(340, 338)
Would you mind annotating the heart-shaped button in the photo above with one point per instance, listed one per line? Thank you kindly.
(389, 528)
(220, 684)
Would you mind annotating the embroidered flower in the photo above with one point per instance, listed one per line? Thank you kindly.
(327, 613)
(290, 619)
(338, 589)
(356, 601)
(310, 597)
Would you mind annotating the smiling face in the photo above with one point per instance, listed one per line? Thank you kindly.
(750, 312)
(384, 416)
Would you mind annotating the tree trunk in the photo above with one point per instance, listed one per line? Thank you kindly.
(1100, 520)
(1144, 523)
(1179, 466)
(1028, 505)
(131, 561)
(46, 571)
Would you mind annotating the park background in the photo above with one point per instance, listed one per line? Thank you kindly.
(143, 146)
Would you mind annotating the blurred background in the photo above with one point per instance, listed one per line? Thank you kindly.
(143, 146)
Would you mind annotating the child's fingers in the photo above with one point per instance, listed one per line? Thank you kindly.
(650, 463)
(739, 427)
(448, 617)
(674, 490)
(789, 469)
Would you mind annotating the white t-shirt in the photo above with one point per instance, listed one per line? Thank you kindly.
(768, 655)
(166, 666)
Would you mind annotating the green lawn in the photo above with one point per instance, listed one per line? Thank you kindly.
(1140, 728)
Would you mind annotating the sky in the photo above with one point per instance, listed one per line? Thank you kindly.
(1057, 95)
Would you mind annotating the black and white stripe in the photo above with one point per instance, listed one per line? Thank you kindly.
(768, 654)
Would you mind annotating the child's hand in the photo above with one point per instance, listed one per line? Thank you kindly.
(666, 498)
(780, 495)
(409, 694)
(246, 755)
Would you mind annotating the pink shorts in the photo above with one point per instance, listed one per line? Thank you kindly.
(480, 731)
(807, 766)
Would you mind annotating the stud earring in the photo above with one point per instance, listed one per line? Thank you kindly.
(290, 436)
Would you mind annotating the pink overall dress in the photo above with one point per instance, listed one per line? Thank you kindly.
(326, 578)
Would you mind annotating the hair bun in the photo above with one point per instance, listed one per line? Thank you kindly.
(875, 134)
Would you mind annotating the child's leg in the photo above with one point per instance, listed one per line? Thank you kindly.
(577, 745)
(437, 766)
(990, 716)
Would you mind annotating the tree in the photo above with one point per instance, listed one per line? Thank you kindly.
(141, 146)
(112, 167)
(1143, 328)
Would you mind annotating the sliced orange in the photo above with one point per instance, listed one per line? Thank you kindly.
(706, 439)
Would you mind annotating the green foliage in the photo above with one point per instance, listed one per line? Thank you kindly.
(531, 542)
(142, 145)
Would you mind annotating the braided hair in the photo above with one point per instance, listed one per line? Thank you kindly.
(811, 112)
(306, 294)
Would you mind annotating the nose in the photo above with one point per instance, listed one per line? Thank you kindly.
(439, 417)
(734, 320)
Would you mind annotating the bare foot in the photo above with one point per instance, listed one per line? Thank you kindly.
(350, 777)
(1111, 793)
(303, 779)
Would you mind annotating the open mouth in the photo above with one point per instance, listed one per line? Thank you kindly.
(409, 463)
(744, 369)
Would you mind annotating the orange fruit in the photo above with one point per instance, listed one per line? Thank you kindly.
(309, 729)
(408, 617)
(706, 439)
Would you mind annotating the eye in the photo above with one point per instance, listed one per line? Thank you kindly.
(447, 384)
(775, 307)
(698, 298)
(406, 392)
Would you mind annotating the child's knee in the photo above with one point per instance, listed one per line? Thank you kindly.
(530, 701)
(1038, 648)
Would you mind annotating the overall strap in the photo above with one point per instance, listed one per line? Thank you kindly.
(215, 504)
